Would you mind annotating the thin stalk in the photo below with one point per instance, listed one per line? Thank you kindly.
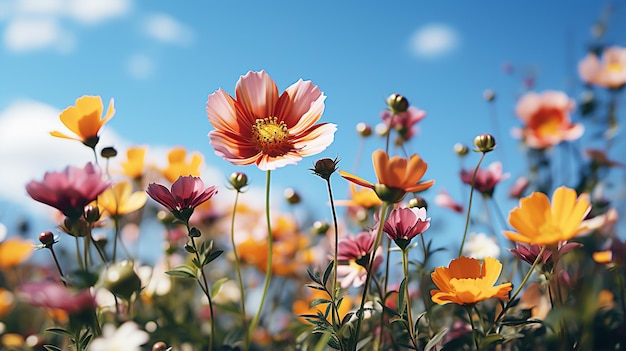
(368, 278)
(335, 260)
(469, 205)
(409, 313)
(244, 318)
(78, 255)
(205, 289)
(468, 308)
(56, 262)
(270, 248)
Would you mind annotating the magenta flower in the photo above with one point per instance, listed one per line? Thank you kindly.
(354, 254)
(69, 191)
(486, 178)
(444, 199)
(528, 253)
(187, 193)
(404, 122)
(53, 295)
(403, 224)
(519, 187)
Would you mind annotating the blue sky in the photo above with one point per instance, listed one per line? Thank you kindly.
(160, 60)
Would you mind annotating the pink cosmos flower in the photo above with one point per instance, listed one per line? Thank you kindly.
(609, 72)
(187, 193)
(486, 178)
(519, 187)
(69, 191)
(260, 127)
(403, 224)
(546, 119)
(354, 255)
(444, 199)
(528, 253)
(404, 122)
(53, 295)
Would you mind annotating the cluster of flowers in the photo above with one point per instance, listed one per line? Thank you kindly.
(333, 290)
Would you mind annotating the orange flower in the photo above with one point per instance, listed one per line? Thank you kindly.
(14, 251)
(7, 300)
(260, 127)
(85, 120)
(396, 176)
(546, 119)
(364, 197)
(539, 223)
(303, 306)
(466, 281)
(178, 165)
(134, 166)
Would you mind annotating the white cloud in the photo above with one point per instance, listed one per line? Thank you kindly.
(26, 34)
(165, 28)
(140, 66)
(433, 40)
(96, 11)
(39, 7)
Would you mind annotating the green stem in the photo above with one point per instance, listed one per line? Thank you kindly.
(56, 262)
(468, 308)
(78, 255)
(270, 245)
(407, 297)
(336, 318)
(205, 288)
(370, 272)
(469, 205)
(244, 318)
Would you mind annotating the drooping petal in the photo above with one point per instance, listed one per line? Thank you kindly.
(356, 180)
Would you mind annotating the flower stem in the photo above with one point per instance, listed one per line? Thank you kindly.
(335, 317)
(474, 331)
(469, 205)
(205, 288)
(268, 270)
(370, 272)
(407, 298)
(56, 262)
(244, 317)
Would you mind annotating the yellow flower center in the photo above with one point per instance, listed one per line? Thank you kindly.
(614, 67)
(550, 230)
(549, 126)
(270, 136)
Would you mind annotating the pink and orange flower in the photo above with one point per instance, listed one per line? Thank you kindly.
(261, 127)
(486, 178)
(608, 72)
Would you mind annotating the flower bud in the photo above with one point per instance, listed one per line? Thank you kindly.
(47, 239)
(461, 149)
(92, 214)
(292, 196)
(382, 129)
(418, 202)
(159, 346)
(364, 129)
(108, 152)
(238, 180)
(489, 95)
(320, 227)
(484, 143)
(121, 279)
(397, 103)
(195, 232)
(325, 167)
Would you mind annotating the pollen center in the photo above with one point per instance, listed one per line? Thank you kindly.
(270, 136)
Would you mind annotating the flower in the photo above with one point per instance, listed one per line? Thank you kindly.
(53, 295)
(404, 122)
(178, 166)
(362, 197)
(128, 337)
(186, 194)
(85, 120)
(354, 254)
(134, 165)
(546, 119)
(444, 199)
(396, 176)
(466, 281)
(529, 253)
(615, 253)
(480, 246)
(303, 306)
(14, 251)
(519, 187)
(539, 223)
(118, 200)
(69, 191)
(7, 301)
(403, 224)
(486, 179)
(260, 127)
(610, 72)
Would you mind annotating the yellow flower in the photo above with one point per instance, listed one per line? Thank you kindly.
(85, 120)
(396, 176)
(363, 197)
(118, 200)
(466, 281)
(178, 165)
(539, 223)
(14, 251)
(303, 306)
(7, 300)
(134, 166)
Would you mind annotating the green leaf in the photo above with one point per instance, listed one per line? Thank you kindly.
(211, 257)
(52, 348)
(401, 297)
(217, 285)
(436, 339)
(489, 340)
(319, 302)
(327, 272)
(60, 331)
(183, 271)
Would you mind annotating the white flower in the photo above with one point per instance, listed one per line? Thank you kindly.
(480, 245)
(128, 337)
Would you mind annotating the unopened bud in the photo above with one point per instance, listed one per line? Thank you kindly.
(397, 103)
(325, 167)
(159, 346)
(47, 239)
(484, 143)
(121, 279)
(489, 95)
(461, 149)
(418, 202)
(364, 129)
(238, 180)
(382, 129)
(195, 232)
(320, 227)
(108, 152)
(292, 196)
(92, 214)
